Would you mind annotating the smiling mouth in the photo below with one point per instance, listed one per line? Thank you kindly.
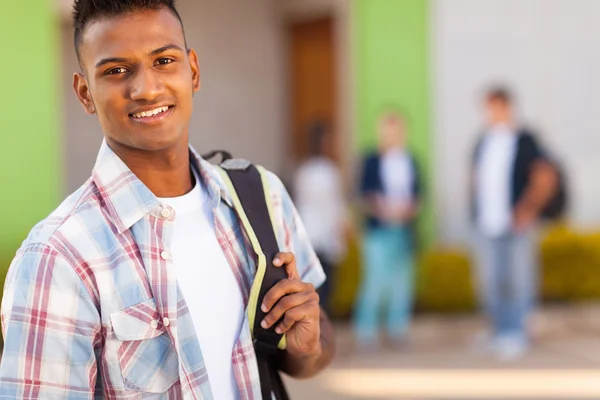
(153, 115)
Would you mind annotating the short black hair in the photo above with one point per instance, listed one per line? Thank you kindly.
(499, 93)
(317, 131)
(87, 11)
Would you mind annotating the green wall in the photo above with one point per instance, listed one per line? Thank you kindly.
(391, 58)
(30, 166)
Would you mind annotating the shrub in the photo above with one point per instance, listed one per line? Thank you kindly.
(569, 271)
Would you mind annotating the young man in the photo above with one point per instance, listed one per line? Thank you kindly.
(512, 181)
(136, 286)
(391, 191)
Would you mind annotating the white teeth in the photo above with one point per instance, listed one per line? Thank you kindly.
(151, 112)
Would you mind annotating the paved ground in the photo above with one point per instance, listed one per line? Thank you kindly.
(439, 363)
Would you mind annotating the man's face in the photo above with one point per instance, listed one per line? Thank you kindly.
(139, 79)
(497, 112)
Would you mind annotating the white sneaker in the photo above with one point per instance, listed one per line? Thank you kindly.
(510, 348)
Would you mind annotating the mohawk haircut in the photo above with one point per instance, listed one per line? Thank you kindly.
(88, 11)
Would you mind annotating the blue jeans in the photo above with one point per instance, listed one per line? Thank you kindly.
(507, 277)
(387, 282)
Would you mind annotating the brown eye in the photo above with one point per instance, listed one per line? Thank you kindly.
(164, 61)
(116, 71)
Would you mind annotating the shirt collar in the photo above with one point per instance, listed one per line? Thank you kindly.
(501, 129)
(213, 180)
(126, 197)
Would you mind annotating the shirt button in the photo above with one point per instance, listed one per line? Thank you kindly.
(166, 321)
(165, 255)
(154, 324)
(166, 212)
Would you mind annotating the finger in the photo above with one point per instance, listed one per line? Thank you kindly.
(307, 311)
(287, 260)
(283, 288)
(288, 303)
(281, 258)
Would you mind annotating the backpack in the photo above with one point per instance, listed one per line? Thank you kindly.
(251, 198)
(557, 205)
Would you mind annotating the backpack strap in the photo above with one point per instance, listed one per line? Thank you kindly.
(250, 192)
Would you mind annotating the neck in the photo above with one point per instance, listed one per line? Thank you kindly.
(508, 123)
(392, 149)
(165, 172)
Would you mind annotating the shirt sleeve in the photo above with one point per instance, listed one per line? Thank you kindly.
(291, 234)
(417, 186)
(50, 326)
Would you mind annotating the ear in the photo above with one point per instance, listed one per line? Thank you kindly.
(193, 58)
(82, 90)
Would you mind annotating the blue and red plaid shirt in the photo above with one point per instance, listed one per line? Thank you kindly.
(91, 305)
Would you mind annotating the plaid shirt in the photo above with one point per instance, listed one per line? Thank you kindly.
(91, 304)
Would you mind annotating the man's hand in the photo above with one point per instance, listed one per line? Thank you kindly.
(543, 184)
(523, 219)
(401, 214)
(298, 303)
(310, 337)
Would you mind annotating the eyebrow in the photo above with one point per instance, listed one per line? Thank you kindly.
(152, 53)
(166, 48)
(110, 60)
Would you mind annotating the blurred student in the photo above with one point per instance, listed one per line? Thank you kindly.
(390, 191)
(321, 204)
(512, 181)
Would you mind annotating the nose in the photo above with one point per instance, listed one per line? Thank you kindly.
(146, 85)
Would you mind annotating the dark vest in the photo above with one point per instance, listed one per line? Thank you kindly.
(371, 182)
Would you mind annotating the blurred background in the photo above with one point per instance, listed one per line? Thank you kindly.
(274, 72)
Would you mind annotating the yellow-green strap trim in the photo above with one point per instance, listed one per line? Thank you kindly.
(261, 262)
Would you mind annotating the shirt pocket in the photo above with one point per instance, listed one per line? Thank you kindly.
(147, 356)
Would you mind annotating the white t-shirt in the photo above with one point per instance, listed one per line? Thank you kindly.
(208, 286)
(494, 181)
(397, 176)
(321, 205)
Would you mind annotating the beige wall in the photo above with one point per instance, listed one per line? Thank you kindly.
(546, 50)
(242, 104)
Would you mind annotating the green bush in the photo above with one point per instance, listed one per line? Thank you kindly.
(570, 265)
(444, 281)
(569, 271)
(345, 281)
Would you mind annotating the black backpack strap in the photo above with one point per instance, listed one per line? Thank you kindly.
(251, 201)
(225, 155)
